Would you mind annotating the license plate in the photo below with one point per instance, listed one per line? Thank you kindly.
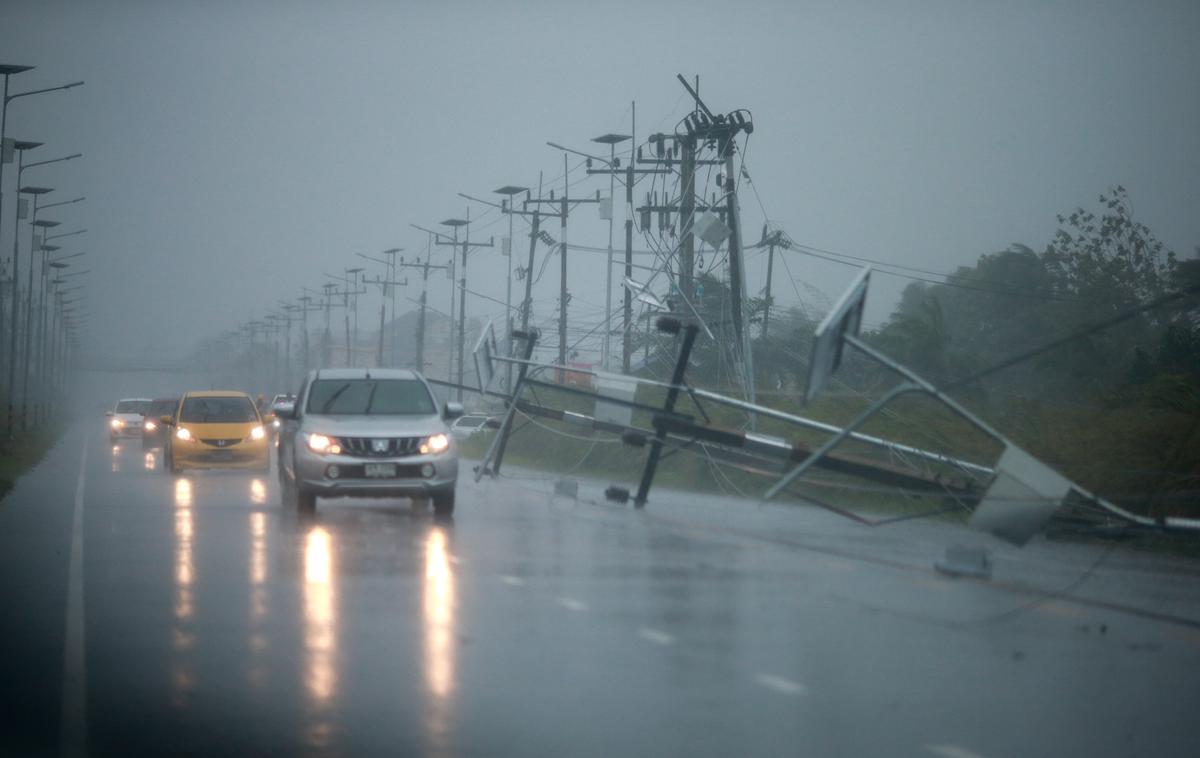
(379, 470)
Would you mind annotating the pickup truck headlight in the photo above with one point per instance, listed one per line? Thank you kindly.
(117, 423)
(435, 444)
(150, 425)
(319, 443)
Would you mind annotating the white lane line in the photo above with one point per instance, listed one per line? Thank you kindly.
(782, 685)
(513, 581)
(73, 724)
(952, 751)
(571, 604)
(656, 636)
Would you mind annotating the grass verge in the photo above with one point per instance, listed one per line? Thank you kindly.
(22, 453)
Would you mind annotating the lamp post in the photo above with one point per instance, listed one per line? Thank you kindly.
(37, 192)
(20, 146)
(8, 70)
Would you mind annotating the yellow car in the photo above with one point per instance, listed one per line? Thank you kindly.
(216, 430)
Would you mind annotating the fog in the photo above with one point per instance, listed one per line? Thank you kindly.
(235, 152)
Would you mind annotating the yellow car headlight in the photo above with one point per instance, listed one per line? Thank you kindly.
(183, 434)
(435, 444)
(257, 433)
(319, 443)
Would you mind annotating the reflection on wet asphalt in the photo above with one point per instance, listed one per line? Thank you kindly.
(218, 620)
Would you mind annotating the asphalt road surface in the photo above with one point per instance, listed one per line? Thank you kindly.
(196, 615)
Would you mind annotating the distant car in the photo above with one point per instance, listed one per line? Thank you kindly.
(367, 433)
(216, 430)
(275, 401)
(467, 426)
(125, 419)
(154, 431)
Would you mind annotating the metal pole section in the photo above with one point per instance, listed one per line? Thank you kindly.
(462, 306)
(660, 435)
(737, 280)
(527, 304)
(356, 293)
(562, 291)
(12, 344)
(392, 278)
(770, 267)
(346, 315)
(687, 216)
(382, 321)
(420, 347)
(627, 336)
(3, 133)
(304, 326)
(495, 453)
(508, 319)
(453, 302)
(612, 186)
(28, 368)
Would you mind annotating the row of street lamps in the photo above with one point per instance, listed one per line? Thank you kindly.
(39, 340)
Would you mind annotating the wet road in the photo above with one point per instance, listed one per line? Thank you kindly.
(196, 615)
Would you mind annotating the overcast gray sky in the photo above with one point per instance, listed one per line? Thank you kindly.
(235, 151)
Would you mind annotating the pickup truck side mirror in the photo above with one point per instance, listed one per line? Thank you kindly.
(452, 411)
(284, 410)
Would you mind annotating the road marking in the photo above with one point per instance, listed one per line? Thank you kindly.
(571, 604)
(656, 636)
(952, 751)
(514, 581)
(780, 684)
(73, 724)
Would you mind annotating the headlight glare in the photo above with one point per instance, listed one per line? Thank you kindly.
(183, 434)
(435, 444)
(257, 433)
(319, 443)
(117, 423)
(150, 425)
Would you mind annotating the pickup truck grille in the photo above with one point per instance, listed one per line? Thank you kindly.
(380, 447)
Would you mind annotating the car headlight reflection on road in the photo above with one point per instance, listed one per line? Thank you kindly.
(257, 433)
(435, 444)
(319, 443)
(183, 434)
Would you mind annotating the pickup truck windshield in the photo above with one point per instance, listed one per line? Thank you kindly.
(407, 397)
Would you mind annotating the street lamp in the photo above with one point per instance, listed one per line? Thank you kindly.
(37, 192)
(8, 70)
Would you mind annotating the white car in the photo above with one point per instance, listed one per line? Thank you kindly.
(467, 426)
(125, 420)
